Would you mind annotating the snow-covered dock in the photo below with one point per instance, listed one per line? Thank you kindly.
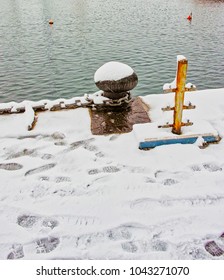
(67, 194)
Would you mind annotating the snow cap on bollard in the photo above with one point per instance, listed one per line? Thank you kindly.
(116, 79)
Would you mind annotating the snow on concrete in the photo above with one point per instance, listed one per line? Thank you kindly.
(112, 70)
(66, 194)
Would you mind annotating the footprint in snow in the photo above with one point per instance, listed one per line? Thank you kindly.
(29, 221)
(39, 246)
(60, 143)
(90, 148)
(196, 168)
(99, 154)
(62, 179)
(47, 156)
(193, 249)
(159, 245)
(44, 178)
(216, 249)
(29, 152)
(59, 179)
(119, 233)
(169, 182)
(94, 171)
(150, 180)
(50, 223)
(105, 169)
(81, 143)
(115, 234)
(86, 144)
(16, 252)
(110, 169)
(213, 249)
(40, 169)
(144, 246)
(24, 152)
(211, 167)
(46, 244)
(130, 247)
(10, 166)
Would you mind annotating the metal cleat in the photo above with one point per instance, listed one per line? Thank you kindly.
(188, 123)
(168, 125)
(169, 90)
(167, 108)
(189, 106)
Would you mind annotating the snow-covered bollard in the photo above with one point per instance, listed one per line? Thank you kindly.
(116, 79)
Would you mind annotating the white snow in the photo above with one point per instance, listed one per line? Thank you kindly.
(66, 194)
(180, 57)
(199, 142)
(97, 97)
(112, 71)
(172, 85)
(190, 86)
(30, 116)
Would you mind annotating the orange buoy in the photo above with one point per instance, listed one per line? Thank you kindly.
(51, 21)
(190, 17)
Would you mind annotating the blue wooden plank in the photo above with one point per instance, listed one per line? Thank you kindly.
(167, 141)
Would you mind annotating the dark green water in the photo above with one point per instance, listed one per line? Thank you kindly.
(39, 61)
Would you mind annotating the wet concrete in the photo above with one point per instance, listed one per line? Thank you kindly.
(119, 120)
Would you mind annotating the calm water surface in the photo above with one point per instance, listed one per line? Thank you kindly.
(41, 61)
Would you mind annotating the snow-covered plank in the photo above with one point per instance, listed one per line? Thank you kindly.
(152, 143)
(150, 135)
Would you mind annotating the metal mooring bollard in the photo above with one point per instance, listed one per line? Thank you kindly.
(116, 79)
(179, 90)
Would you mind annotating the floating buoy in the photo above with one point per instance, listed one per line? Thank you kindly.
(51, 21)
(190, 17)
